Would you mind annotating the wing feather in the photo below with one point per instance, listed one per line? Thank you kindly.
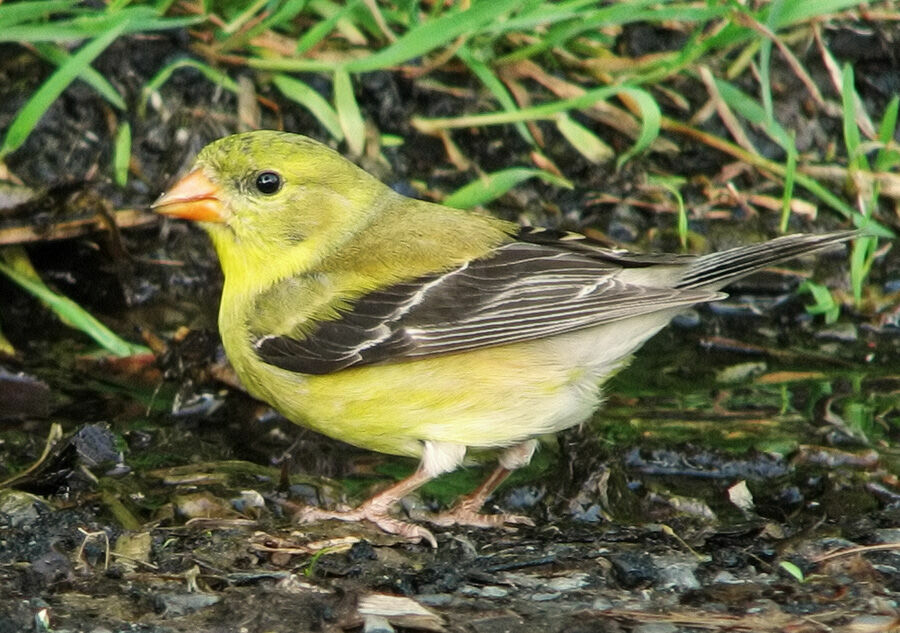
(523, 291)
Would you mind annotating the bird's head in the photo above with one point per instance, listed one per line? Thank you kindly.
(265, 192)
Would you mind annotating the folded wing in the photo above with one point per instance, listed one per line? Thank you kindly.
(523, 291)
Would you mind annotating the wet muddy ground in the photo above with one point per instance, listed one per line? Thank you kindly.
(742, 476)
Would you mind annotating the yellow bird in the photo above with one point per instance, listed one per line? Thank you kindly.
(412, 328)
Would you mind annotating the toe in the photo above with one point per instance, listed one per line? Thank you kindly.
(518, 519)
(410, 531)
(464, 516)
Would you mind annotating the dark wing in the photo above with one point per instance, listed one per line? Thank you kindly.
(523, 291)
(718, 269)
(711, 271)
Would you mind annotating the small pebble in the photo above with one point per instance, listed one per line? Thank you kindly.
(633, 569)
(656, 627)
(873, 623)
(21, 509)
(568, 583)
(678, 576)
(742, 372)
(844, 332)
(377, 624)
(177, 604)
(493, 591)
(725, 578)
(886, 535)
(435, 599)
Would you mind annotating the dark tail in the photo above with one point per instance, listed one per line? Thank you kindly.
(718, 269)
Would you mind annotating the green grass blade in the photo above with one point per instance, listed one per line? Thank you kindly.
(140, 20)
(583, 140)
(5, 346)
(650, 123)
(370, 16)
(492, 186)
(122, 154)
(19, 12)
(824, 301)
(492, 83)
(650, 126)
(71, 313)
(849, 103)
(793, 570)
(287, 11)
(53, 32)
(790, 171)
(545, 111)
(40, 101)
(673, 185)
(861, 259)
(889, 121)
(290, 64)
(765, 60)
(348, 113)
(802, 10)
(322, 28)
(216, 76)
(569, 26)
(864, 248)
(751, 110)
(888, 157)
(243, 17)
(347, 25)
(90, 76)
(542, 14)
(825, 195)
(284, 13)
(301, 93)
(144, 20)
(433, 34)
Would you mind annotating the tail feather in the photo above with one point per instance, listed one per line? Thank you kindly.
(719, 269)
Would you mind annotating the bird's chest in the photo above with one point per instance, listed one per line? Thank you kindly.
(235, 321)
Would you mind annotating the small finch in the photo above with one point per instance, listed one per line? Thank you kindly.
(412, 328)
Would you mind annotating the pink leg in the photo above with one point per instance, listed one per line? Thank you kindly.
(467, 511)
(437, 458)
(376, 510)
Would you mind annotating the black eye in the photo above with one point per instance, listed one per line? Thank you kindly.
(268, 182)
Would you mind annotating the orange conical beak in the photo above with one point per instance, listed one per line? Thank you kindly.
(194, 197)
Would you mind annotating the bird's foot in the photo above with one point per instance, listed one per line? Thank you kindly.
(374, 513)
(463, 514)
